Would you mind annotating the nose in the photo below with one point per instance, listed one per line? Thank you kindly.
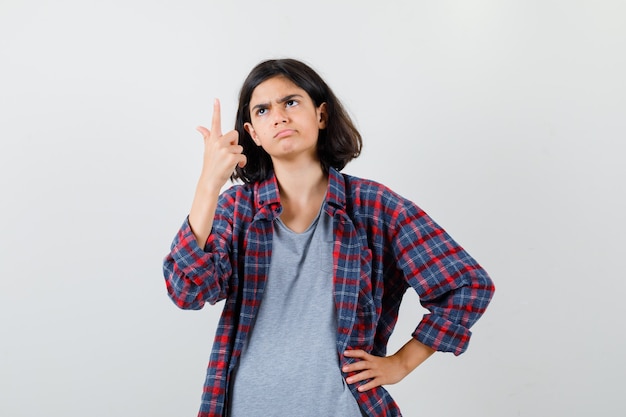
(280, 115)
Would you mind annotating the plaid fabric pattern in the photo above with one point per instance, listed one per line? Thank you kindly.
(384, 244)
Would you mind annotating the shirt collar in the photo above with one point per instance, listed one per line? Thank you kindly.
(267, 192)
(336, 193)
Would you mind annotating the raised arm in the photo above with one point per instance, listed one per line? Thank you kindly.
(221, 154)
(192, 275)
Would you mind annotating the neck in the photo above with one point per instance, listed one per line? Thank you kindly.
(301, 184)
(302, 192)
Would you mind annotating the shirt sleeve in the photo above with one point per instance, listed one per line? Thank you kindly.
(194, 275)
(450, 283)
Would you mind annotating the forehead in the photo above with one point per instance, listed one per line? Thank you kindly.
(274, 89)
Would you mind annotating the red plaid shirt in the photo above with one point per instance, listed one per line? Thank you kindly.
(384, 244)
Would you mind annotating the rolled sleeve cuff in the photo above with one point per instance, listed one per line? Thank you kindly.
(442, 335)
(190, 258)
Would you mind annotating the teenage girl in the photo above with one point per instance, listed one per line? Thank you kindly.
(312, 263)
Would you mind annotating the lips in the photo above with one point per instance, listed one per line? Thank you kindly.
(284, 133)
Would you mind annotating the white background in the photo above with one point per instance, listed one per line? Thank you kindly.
(504, 120)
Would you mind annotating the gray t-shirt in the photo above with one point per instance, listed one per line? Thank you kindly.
(289, 365)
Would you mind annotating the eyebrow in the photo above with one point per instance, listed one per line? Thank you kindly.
(281, 100)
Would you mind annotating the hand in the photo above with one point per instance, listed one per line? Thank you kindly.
(381, 370)
(221, 152)
(386, 370)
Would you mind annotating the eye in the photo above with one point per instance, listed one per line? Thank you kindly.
(291, 103)
(261, 111)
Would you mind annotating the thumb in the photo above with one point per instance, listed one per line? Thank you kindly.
(204, 131)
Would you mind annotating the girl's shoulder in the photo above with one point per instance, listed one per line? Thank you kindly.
(372, 201)
(247, 199)
(236, 201)
(367, 191)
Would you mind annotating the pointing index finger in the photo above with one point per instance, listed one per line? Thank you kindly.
(216, 124)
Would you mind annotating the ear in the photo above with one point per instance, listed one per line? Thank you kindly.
(322, 116)
(251, 132)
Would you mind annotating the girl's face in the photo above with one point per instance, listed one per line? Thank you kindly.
(285, 121)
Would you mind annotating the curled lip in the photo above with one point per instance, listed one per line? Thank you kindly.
(283, 133)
